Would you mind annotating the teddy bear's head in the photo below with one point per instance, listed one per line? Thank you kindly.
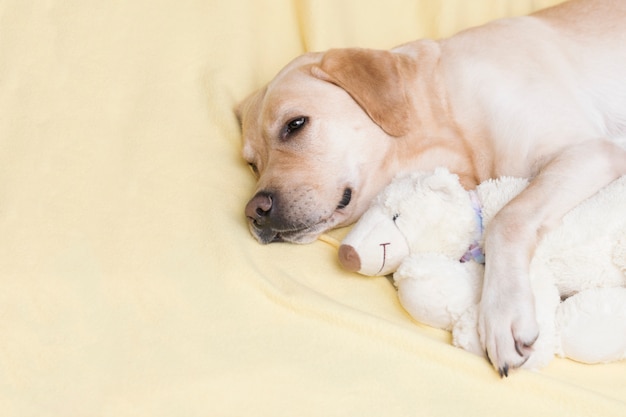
(419, 212)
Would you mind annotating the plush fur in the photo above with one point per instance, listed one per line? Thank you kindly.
(422, 224)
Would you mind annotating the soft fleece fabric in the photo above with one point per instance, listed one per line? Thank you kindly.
(129, 284)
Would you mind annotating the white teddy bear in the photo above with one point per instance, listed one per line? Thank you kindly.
(429, 230)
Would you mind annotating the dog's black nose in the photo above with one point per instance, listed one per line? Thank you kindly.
(259, 208)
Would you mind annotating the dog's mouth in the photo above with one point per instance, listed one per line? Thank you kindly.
(345, 200)
(304, 233)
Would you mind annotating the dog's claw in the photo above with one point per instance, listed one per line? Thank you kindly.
(504, 372)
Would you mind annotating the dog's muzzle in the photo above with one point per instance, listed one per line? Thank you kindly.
(268, 224)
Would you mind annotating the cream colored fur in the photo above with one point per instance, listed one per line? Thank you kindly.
(420, 226)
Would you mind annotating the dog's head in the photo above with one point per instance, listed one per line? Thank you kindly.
(321, 139)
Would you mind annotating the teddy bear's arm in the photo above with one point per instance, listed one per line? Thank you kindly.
(436, 290)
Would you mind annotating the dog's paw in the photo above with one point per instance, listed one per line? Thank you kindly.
(507, 335)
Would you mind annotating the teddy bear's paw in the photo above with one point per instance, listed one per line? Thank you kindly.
(465, 332)
(592, 325)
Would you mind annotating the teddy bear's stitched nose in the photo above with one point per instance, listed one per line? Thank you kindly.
(349, 258)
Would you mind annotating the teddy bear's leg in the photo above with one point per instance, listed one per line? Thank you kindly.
(592, 325)
(465, 332)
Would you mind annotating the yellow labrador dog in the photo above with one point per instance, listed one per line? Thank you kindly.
(541, 96)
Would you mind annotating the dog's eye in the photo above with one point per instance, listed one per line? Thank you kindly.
(293, 125)
(254, 168)
(395, 217)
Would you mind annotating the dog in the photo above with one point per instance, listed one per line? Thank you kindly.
(540, 96)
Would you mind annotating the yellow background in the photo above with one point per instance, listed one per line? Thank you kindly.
(129, 284)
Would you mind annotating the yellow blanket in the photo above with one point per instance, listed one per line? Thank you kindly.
(129, 284)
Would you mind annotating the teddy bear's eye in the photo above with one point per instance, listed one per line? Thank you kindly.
(395, 217)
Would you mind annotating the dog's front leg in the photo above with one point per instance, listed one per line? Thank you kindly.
(507, 322)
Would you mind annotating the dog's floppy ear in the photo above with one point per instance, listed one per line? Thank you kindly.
(249, 104)
(376, 81)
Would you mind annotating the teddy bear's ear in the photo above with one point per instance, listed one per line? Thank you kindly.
(443, 183)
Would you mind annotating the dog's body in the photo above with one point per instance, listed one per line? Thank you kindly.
(542, 96)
